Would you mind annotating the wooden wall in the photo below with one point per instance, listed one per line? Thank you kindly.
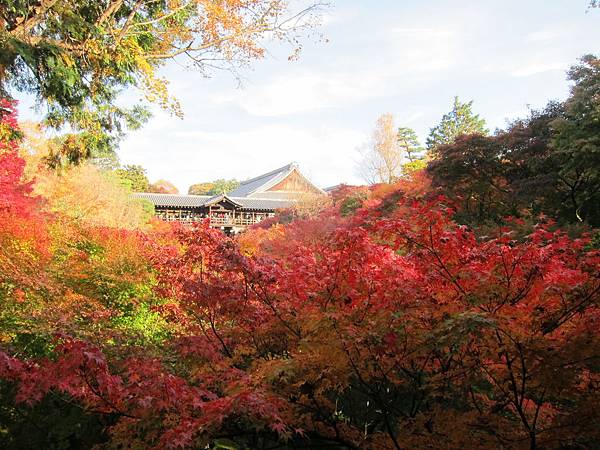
(295, 182)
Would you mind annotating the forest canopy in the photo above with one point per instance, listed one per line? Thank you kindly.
(456, 304)
(452, 303)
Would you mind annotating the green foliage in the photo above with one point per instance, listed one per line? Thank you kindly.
(220, 186)
(143, 326)
(595, 241)
(134, 177)
(548, 163)
(147, 208)
(97, 132)
(408, 142)
(76, 56)
(353, 202)
(576, 142)
(460, 120)
(101, 277)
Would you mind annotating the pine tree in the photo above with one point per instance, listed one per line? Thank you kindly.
(408, 142)
(461, 120)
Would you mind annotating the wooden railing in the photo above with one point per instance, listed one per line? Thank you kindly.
(226, 221)
(237, 221)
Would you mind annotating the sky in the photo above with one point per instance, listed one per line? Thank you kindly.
(409, 58)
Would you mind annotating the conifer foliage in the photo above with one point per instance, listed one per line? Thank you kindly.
(459, 121)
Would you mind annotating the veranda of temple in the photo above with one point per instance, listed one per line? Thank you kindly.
(251, 202)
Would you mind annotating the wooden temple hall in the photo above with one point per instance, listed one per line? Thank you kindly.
(251, 202)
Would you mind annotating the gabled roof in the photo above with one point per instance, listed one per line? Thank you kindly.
(197, 201)
(263, 182)
(258, 183)
(220, 198)
(251, 194)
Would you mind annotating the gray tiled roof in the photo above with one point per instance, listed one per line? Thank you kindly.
(262, 181)
(250, 194)
(182, 201)
(263, 203)
(197, 201)
(220, 197)
(274, 195)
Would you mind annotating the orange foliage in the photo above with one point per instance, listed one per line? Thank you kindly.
(376, 323)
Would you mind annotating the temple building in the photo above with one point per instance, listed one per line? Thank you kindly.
(251, 202)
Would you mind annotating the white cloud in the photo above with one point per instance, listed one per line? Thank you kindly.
(307, 92)
(537, 68)
(324, 154)
(405, 61)
(404, 57)
(422, 33)
(542, 36)
(411, 118)
(520, 67)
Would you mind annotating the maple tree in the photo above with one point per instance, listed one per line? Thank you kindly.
(88, 195)
(372, 320)
(389, 327)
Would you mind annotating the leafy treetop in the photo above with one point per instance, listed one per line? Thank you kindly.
(544, 164)
(163, 187)
(460, 120)
(408, 142)
(220, 186)
(134, 177)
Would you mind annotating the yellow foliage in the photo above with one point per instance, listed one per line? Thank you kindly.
(86, 194)
(34, 147)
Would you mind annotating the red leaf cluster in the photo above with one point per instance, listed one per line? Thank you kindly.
(380, 323)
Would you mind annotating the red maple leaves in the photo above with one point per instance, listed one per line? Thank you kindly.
(385, 325)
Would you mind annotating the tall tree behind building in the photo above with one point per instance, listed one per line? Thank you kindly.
(220, 186)
(392, 152)
(460, 120)
(412, 150)
(382, 161)
(409, 144)
(547, 163)
(134, 177)
(163, 187)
